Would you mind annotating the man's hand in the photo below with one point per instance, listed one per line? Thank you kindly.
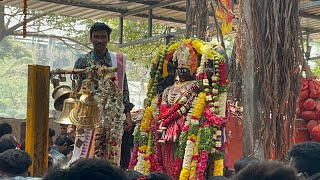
(128, 123)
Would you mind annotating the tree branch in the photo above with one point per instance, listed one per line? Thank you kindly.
(62, 38)
(15, 27)
(11, 16)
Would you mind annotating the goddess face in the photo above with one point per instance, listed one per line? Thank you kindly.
(184, 74)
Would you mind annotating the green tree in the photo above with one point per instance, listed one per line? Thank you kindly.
(13, 78)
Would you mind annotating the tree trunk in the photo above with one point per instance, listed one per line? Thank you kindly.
(269, 51)
(246, 56)
(196, 18)
(2, 23)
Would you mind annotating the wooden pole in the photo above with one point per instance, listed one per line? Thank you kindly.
(38, 118)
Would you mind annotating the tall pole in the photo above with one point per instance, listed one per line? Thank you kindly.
(38, 118)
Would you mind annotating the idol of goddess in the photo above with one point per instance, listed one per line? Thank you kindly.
(182, 128)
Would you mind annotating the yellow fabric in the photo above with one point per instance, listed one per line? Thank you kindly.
(225, 16)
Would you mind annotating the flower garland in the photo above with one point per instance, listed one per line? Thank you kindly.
(192, 135)
(24, 27)
(195, 158)
(203, 115)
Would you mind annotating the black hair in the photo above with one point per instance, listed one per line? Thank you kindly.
(83, 169)
(266, 170)
(306, 156)
(56, 173)
(98, 26)
(217, 178)
(14, 162)
(243, 162)
(63, 139)
(52, 132)
(5, 128)
(133, 175)
(7, 141)
(158, 176)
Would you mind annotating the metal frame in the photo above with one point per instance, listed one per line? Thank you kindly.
(110, 8)
(136, 12)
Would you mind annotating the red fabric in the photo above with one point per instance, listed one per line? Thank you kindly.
(309, 104)
(300, 104)
(304, 84)
(314, 87)
(304, 94)
(318, 110)
(309, 115)
(311, 124)
(315, 134)
(168, 157)
(120, 73)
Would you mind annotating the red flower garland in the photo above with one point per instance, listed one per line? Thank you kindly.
(211, 119)
(223, 73)
(177, 167)
(24, 29)
(169, 115)
(202, 164)
(134, 157)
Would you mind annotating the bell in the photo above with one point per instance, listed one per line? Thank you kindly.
(87, 84)
(59, 94)
(68, 105)
(86, 115)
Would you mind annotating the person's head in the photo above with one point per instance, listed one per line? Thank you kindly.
(217, 178)
(243, 162)
(133, 175)
(7, 141)
(14, 162)
(83, 169)
(5, 128)
(305, 157)
(266, 170)
(158, 176)
(100, 36)
(63, 144)
(51, 134)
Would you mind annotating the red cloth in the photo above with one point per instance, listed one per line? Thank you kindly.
(309, 104)
(314, 86)
(167, 151)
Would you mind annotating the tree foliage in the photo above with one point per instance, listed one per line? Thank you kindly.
(15, 56)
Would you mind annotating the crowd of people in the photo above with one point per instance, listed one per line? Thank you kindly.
(303, 163)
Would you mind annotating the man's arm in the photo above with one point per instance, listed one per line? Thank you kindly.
(127, 105)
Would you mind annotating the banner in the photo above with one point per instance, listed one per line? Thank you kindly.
(223, 13)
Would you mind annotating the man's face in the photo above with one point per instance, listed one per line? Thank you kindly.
(99, 40)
